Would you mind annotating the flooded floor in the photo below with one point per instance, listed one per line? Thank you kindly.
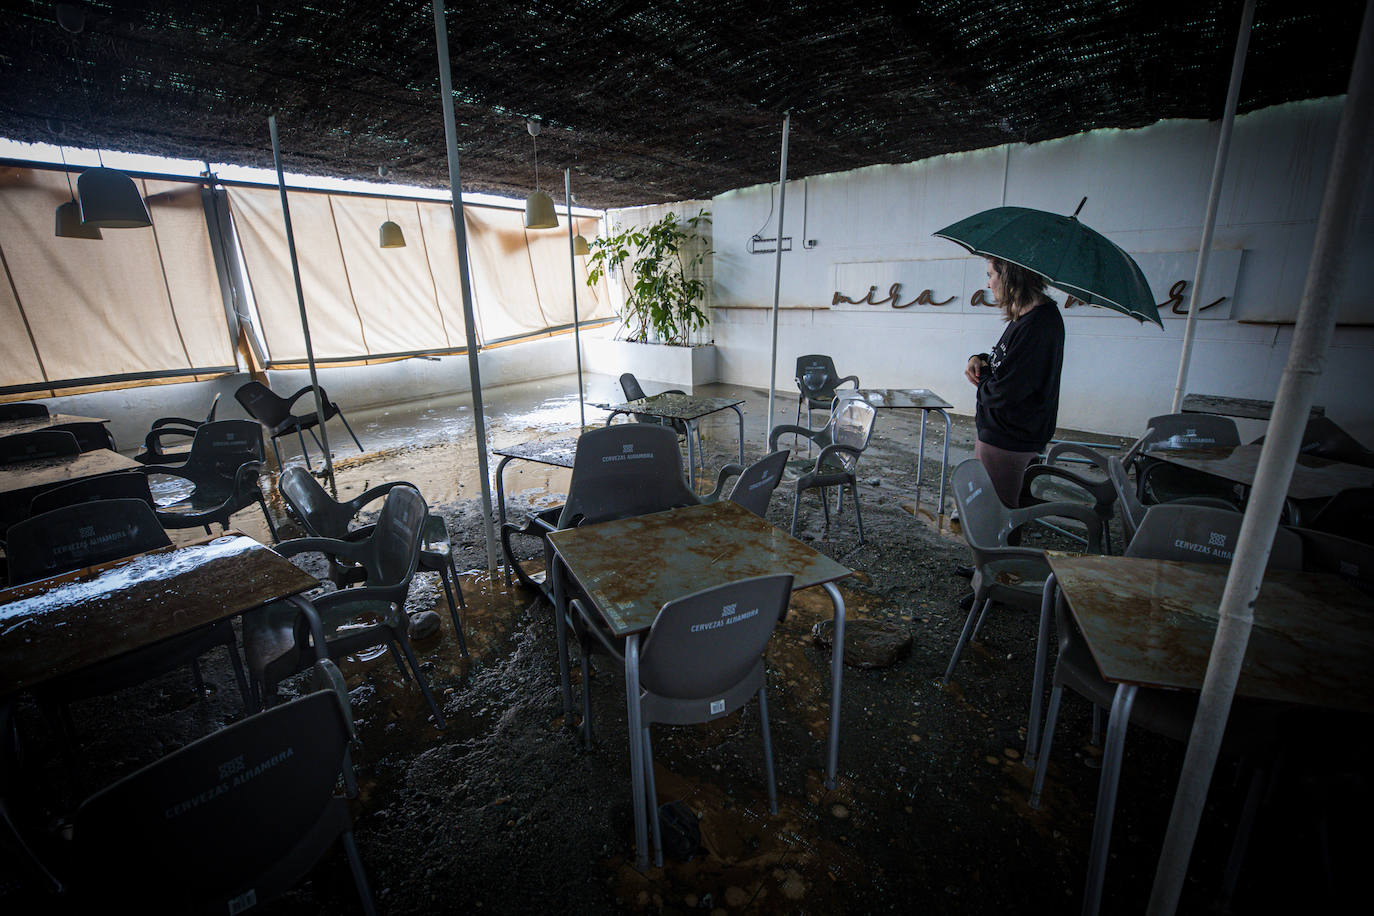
(504, 811)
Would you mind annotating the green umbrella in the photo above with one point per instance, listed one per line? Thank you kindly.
(1065, 252)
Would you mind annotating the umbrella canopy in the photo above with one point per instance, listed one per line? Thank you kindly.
(1068, 254)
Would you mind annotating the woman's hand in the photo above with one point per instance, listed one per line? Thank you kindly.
(975, 367)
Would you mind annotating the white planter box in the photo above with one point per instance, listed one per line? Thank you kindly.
(678, 366)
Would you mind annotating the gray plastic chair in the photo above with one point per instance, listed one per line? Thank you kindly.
(275, 638)
(23, 410)
(1002, 572)
(843, 440)
(325, 517)
(689, 673)
(1132, 510)
(90, 435)
(124, 485)
(1100, 490)
(1349, 514)
(223, 464)
(634, 392)
(1158, 481)
(817, 380)
(234, 819)
(754, 488)
(38, 446)
(1331, 553)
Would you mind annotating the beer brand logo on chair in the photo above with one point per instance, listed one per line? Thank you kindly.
(727, 610)
(626, 449)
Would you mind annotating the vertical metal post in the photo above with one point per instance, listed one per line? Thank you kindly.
(777, 277)
(1209, 222)
(300, 301)
(469, 326)
(577, 332)
(1332, 252)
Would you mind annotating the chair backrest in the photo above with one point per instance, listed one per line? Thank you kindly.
(1201, 534)
(262, 403)
(630, 385)
(397, 537)
(1192, 430)
(702, 644)
(35, 446)
(1324, 439)
(126, 485)
(816, 376)
(201, 824)
(983, 518)
(625, 470)
(1132, 509)
(319, 512)
(81, 535)
(755, 486)
(851, 421)
(89, 435)
(220, 448)
(1350, 514)
(23, 410)
(1330, 553)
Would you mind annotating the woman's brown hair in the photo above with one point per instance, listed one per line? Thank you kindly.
(1020, 288)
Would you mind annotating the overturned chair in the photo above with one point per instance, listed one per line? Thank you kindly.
(274, 412)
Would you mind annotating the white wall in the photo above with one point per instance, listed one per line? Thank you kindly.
(1146, 191)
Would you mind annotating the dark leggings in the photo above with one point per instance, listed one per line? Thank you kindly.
(1005, 468)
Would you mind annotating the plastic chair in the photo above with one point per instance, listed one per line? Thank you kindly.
(1132, 510)
(1100, 490)
(234, 819)
(1322, 438)
(842, 440)
(1331, 553)
(223, 464)
(90, 435)
(1349, 514)
(23, 410)
(754, 488)
(817, 380)
(88, 534)
(325, 517)
(274, 412)
(124, 485)
(633, 392)
(1003, 572)
(689, 673)
(163, 428)
(38, 446)
(276, 639)
(1158, 481)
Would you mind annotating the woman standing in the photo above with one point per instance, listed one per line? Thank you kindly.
(1018, 382)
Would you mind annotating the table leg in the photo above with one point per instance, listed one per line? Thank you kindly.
(739, 413)
(921, 458)
(1106, 796)
(638, 781)
(1042, 652)
(691, 456)
(501, 510)
(944, 463)
(559, 598)
(832, 753)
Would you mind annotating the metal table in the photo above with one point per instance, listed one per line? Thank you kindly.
(56, 626)
(34, 424)
(19, 482)
(1151, 623)
(676, 553)
(1246, 408)
(558, 453)
(924, 400)
(1313, 477)
(685, 407)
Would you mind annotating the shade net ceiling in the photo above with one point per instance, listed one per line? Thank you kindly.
(645, 101)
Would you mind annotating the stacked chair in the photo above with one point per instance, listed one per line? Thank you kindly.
(223, 464)
(842, 442)
(275, 413)
(817, 384)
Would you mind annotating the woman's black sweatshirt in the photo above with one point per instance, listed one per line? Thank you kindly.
(1018, 391)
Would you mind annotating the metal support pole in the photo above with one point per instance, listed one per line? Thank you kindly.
(464, 280)
(777, 277)
(1332, 252)
(300, 301)
(1209, 222)
(577, 333)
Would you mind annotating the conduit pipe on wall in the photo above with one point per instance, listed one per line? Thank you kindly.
(1345, 189)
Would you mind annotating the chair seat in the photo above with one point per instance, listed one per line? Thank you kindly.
(1019, 580)
(269, 635)
(206, 496)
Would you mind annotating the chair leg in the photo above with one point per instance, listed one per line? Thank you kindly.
(858, 515)
(1117, 723)
(305, 451)
(355, 865)
(1234, 862)
(978, 627)
(1098, 712)
(350, 776)
(768, 751)
(796, 504)
(585, 649)
(651, 799)
(964, 638)
(241, 677)
(271, 526)
(419, 675)
(457, 585)
(276, 451)
(453, 611)
(400, 663)
(350, 429)
(1042, 763)
(825, 507)
(196, 677)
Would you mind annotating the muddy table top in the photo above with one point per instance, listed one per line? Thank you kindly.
(556, 452)
(1246, 408)
(673, 406)
(1152, 622)
(1313, 477)
(917, 398)
(632, 567)
(30, 475)
(55, 626)
(34, 424)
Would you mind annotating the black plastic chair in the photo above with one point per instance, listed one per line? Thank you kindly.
(633, 392)
(689, 673)
(90, 435)
(23, 410)
(37, 446)
(234, 819)
(274, 412)
(277, 640)
(1322, 438)
(1132, 510)
(754, 488)
(1160, 482)
(1331, 553)
(88, 534)
(1045, 481)
(842, 440)
(223, 464)
(172, 428)
(325, 517)
(817, 381)
(1349, 514)
(1003, 572)
(124, 485)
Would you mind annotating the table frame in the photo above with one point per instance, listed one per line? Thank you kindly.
(926, 410)
(551, 455)
(644, 407)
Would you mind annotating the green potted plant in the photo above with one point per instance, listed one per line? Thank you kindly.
(663, 299)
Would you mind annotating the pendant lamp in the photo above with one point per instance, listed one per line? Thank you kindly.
(580, 246)
(68, 223)
(391, 235)
(538, 205)
(110, 200)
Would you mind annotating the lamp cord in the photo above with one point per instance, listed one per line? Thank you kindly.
(535, 138)
(63, 153)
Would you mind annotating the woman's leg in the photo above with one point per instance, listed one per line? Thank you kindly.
(1005, 468)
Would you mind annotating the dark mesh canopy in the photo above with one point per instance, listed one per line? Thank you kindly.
(646, 101)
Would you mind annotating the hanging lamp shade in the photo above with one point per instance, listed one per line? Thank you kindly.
(580, 246)
(110, 200)
(69, 225)
(539, 211)
(391, 236)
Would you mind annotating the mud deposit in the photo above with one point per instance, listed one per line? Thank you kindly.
(503, 811)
